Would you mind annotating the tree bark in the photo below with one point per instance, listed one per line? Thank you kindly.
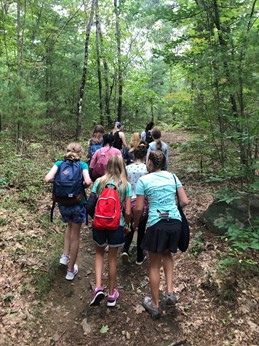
(84, 73)
(120, 78)
(98, 29)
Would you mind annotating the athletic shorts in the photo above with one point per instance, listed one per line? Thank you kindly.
(162, 236)
(73, 213)
(112, 238)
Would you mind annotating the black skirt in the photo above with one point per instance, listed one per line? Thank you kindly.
(163, 236)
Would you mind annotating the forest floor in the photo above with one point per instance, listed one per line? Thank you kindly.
(214, 309)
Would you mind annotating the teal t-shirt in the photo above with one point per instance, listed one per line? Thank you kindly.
(160, 190)
(121, 194)
(84, 166)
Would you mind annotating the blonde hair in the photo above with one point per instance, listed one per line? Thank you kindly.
(134, 141)
(115, 172)
(74, 152)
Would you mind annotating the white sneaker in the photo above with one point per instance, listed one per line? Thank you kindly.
(71, 275)
(125, 257)
(64, 260)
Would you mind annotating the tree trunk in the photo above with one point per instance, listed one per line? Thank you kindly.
(98, 29)
(108, 89)
(83, 79)
(120, 78)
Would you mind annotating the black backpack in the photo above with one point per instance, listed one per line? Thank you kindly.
(68, 188)
(149, 137)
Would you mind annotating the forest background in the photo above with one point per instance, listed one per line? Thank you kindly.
(68, 65)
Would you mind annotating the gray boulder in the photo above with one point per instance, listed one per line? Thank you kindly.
(241, 211)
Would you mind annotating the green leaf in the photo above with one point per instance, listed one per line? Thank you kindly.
(104, 329)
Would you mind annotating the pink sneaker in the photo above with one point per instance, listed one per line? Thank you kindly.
(111, 300)
(97, 296)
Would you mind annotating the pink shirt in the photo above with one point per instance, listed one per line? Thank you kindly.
(109, 151)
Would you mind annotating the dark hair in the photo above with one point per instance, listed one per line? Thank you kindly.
(149, 126)
(158, 159)
(108, 139)
(156, 134)
(141, 151)
(98, 128)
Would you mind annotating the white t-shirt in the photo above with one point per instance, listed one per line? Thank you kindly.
(135, 171)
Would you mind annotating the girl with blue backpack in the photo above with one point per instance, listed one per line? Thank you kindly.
(95, 142)
(69, 177)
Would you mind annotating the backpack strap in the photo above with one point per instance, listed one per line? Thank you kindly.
(52, 211)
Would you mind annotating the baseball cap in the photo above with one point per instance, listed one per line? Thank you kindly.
(118, 124)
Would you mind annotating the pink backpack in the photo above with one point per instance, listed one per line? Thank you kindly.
(101, 165)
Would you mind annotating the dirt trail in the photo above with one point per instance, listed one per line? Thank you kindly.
(201, 317)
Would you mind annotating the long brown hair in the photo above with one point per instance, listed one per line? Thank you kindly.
(156, 134)
(157, 158)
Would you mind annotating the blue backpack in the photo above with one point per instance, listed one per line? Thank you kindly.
(68, 186)
(94, 147)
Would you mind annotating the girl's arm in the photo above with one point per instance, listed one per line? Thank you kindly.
(182, 198)
(123, 138)
(138, 210)
(86, 177)
(51, 175)
(127, 215)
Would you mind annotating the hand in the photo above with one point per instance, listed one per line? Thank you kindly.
(135, 228)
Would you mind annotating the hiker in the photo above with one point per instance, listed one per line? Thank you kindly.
(101, 157)
(119, 141)
(158, 144)
(95, 142)
(128, 152)
(163, 226)
(135, 171)
(115, 175)
(147, 134)
(73, 215)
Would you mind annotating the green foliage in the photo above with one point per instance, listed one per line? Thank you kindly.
(242, 242)
(196, 245)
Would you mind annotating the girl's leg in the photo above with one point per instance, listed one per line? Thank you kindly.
(99, 259)
(128, 240)
(112, 268)
(67, 238)
(154, 276)
(168, 265)
(141, 233)
(74, 244)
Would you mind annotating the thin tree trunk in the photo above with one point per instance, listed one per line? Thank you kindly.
(108, 89)
(98, 29)
(84, 73)
(120, 78)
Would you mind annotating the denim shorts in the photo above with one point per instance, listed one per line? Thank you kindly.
(112, 238)
(73, 213)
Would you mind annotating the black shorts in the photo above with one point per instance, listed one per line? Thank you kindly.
(162, 236)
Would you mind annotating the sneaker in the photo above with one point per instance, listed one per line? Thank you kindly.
(125, 257)
(154, 312)
(111, 300)
(139, 263)
(64, 260)
(71, 275)
(171, 298)
(97, 296)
